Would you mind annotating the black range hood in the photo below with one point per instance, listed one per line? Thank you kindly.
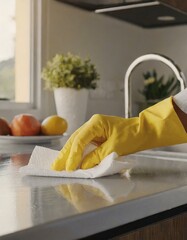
(143, 13)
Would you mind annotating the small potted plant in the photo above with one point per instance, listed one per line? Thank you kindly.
(157, 88)
(70, 77)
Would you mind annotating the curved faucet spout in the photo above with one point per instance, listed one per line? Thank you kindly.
(158, 57)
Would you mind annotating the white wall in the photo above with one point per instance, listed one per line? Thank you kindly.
(112, 45)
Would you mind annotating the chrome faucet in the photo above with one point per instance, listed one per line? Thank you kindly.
(158, 57)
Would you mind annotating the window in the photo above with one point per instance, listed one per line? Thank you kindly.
(7, 49)
(19, 55)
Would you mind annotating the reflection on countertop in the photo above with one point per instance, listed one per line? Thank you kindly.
(29, 201)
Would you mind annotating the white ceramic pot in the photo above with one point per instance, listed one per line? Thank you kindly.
(71, 104)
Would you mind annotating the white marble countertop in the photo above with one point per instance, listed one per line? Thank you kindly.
(53, 208)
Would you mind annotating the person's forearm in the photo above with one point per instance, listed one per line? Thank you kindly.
(182, 115)
(180, 106)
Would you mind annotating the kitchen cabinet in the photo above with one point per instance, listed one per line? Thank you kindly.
(178, 4)
(174, 228)
(144, 13)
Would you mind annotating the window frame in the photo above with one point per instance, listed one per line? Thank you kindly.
(9, 109)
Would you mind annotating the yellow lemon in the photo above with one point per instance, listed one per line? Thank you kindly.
(54, 125)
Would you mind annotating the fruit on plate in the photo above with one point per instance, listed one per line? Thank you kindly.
(25, 125)
(4, 127)
(54, 125)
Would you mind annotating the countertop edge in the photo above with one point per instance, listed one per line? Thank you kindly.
(87, 224)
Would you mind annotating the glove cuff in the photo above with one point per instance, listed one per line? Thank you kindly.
(161, 124)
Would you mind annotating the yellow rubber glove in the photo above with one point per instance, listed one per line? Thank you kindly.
(156, 126)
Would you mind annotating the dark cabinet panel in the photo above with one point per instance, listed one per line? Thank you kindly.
(179, 4)
(145, 13)
(174, 228)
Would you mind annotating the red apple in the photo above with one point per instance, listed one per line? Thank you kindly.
(25, 125)
(4, 127)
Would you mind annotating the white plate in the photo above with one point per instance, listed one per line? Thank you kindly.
(29, 139)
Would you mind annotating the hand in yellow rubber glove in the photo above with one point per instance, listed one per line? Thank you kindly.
(156, 126)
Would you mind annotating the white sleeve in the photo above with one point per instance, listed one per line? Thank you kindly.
(181, 100)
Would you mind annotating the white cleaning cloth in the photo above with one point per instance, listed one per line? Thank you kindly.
(42, 158)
